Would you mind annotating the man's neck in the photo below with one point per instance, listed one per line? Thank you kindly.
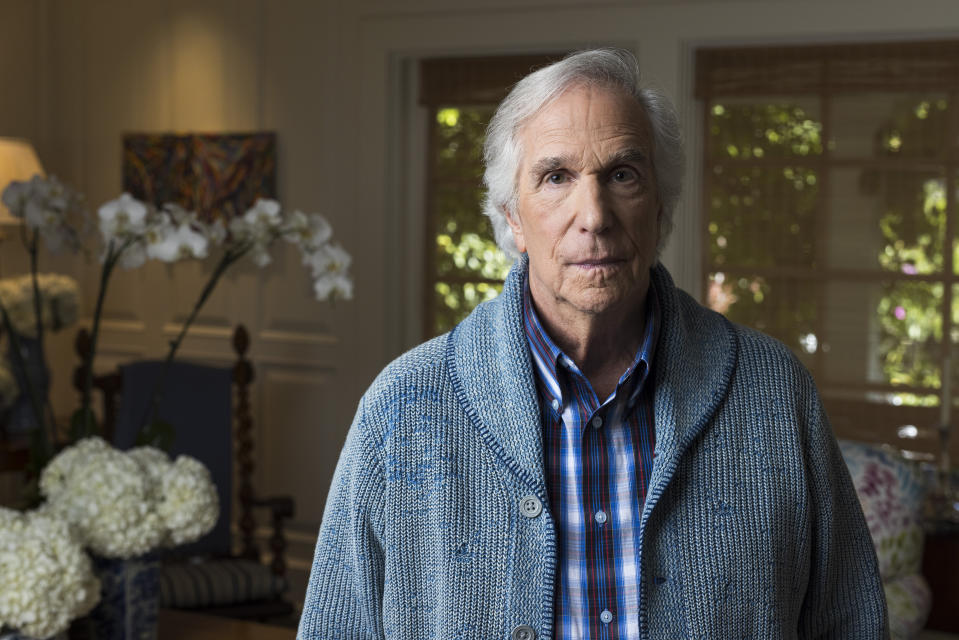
(602, 345)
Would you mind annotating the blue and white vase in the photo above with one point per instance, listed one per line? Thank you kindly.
(130, 598)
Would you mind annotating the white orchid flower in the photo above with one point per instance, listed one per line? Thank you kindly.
(50, 190)
(122, 218)
(339, 284)
(16, 196)
(263, 216)
(216, 231)
(176, 243)
(330, 264)
(310, 232)
(38, 214)
(328, 259)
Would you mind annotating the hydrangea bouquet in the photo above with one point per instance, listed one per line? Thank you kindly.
(115, 504)
(48, 210)
(47, 578)
(126, 504)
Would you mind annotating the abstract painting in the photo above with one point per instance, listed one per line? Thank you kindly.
(216, 175)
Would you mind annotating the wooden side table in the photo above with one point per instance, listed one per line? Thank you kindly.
(940, 566)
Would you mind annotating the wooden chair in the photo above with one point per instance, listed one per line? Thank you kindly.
(210, 410)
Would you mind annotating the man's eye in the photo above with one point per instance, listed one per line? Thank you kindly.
(624, 175)
(556, 178)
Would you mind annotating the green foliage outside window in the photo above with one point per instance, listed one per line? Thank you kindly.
(468, 266)
(763, 216)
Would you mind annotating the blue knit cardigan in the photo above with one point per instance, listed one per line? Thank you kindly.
(751, 527)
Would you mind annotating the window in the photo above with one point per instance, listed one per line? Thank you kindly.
(829, 193)
(464, 266)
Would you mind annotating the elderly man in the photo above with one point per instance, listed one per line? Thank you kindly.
(592, 454)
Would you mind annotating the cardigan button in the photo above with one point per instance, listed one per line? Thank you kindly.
(530, 506)
(523, 632)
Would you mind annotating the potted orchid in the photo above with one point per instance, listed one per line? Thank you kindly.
(133, 232)
(49, 212)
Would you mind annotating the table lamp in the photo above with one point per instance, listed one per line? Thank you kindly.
(18, 161)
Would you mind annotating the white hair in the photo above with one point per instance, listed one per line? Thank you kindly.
(614, 68)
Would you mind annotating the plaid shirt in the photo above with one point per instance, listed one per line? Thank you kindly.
(598, 461)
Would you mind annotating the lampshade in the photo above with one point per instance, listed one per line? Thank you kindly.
(18, 161)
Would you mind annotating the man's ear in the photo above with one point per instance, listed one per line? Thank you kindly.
(517, 227)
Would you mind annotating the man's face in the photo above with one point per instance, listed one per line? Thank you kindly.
(588, 209)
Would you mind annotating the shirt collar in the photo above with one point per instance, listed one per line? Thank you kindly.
(547, 356)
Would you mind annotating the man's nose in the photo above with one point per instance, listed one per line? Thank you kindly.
(592, 207)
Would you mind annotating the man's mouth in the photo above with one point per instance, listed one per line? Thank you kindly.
(596, 263)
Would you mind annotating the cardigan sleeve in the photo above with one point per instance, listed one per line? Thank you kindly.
(844, 597)
(344, 593)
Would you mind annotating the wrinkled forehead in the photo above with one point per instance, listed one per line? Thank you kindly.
(586, 114)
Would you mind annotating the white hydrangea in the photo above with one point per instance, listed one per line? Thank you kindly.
(104, 494)
(190, 505)
(155, 464)
(47, 578)
(126, 504)
(59, 302)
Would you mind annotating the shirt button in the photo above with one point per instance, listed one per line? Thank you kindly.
(597, 422)
(523, 632)
(600, 516)
(530, 506)
(606, 616)
(555, 404)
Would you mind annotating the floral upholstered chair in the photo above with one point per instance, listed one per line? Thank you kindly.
(891, 492)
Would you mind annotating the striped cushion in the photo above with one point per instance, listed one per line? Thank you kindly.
(187, 585)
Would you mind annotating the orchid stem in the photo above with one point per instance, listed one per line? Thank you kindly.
(32, 248)
(108, 265)
(157, 396)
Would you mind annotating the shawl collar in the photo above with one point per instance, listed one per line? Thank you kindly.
(694, 363)
(492, 374)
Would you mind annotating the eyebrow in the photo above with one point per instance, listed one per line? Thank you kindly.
(627, 156)
(547, 165)
(553, 163)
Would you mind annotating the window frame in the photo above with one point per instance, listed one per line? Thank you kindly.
(722, 73)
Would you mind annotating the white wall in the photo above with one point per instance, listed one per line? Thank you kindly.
(328, 77)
